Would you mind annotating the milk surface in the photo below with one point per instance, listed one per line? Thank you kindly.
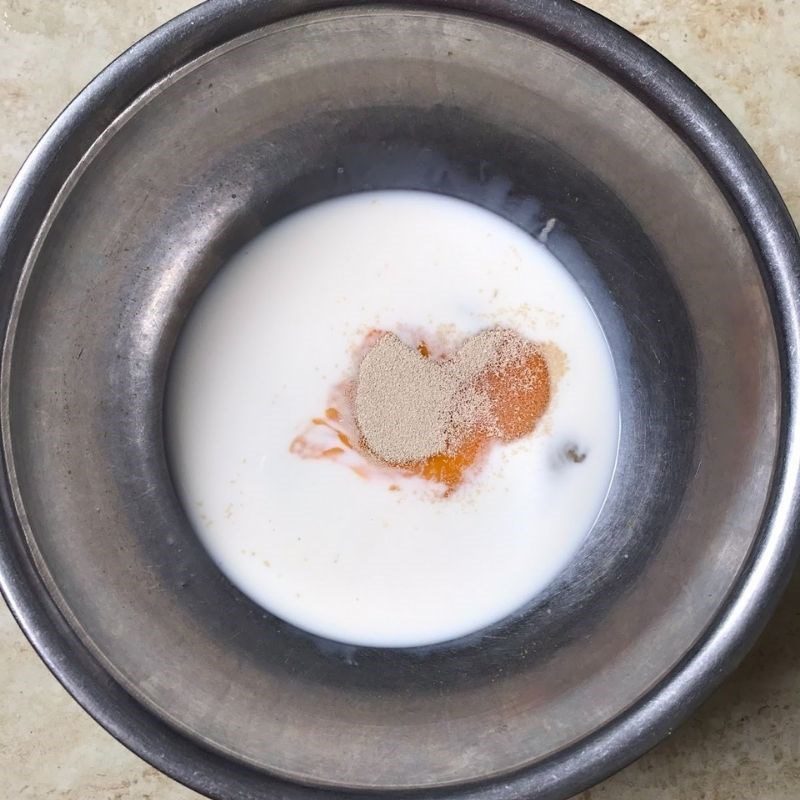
(316, 544)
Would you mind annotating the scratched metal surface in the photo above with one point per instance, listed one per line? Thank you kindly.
(777, 766)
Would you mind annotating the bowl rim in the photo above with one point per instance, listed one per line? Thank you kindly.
(773, 238)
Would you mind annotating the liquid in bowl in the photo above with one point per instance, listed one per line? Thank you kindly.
(384, 560)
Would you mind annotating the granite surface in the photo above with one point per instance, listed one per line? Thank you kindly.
(744, 743)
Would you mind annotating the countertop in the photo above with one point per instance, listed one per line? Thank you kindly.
(744, 743)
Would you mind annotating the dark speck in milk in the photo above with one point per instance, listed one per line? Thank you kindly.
(567, 454)
(575, 454)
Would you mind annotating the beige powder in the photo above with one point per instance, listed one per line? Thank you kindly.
(402, 402)
(409, 407)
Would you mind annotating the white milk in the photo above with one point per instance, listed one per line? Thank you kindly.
(309, 540)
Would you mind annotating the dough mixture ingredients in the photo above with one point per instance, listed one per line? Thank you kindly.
(432, 415)
(393, 418)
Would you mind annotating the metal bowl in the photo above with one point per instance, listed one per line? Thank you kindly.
(238, 113)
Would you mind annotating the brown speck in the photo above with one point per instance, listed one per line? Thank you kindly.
(575, 455)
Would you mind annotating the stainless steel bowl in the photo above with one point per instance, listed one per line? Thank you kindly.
(238, 113)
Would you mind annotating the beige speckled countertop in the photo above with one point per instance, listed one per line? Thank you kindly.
(744, 744)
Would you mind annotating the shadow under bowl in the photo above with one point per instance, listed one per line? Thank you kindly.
(237, 114)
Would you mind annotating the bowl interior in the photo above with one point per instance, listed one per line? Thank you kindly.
(340, 102)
